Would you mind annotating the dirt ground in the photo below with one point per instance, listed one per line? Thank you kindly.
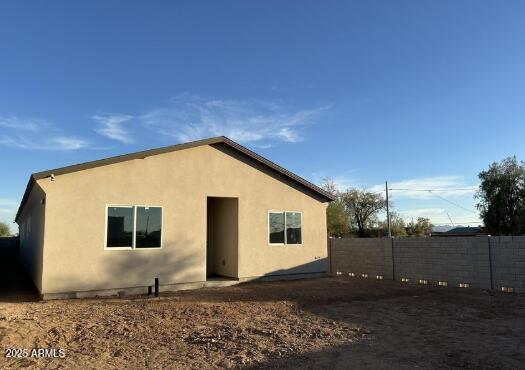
(315, 323)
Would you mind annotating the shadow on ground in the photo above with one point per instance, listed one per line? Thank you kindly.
(403, 326)
(333, 323)
(15, 283)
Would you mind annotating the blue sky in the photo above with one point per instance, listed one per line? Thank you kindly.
(424, 94)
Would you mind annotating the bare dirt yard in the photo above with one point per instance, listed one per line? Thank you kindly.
(318, 323)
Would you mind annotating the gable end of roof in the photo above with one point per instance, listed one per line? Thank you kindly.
(148, 153)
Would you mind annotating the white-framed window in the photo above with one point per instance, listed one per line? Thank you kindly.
(285, 228)
(133, 227)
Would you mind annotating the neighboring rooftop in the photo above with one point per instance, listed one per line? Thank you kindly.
(461, 231)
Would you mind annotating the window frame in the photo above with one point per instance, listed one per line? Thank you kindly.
(134, 233)
(285, 236)
(135, 225)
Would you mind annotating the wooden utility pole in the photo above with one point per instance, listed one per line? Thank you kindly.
(387, 210)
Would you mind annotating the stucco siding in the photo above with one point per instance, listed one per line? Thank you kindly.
(31, 225)
(74, 255)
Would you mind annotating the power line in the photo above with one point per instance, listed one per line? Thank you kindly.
(424, 190)
(429, 190)
(446, 223)
(453, 203)
(432, 192)
(459, 223)
(450, 218)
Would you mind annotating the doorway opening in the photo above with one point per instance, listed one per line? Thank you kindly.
(222, 238)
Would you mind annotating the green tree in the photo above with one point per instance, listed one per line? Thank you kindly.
(337, 220)
(4, 229)
(397, 226)
(502, 197)
(421, 227)
(362, 206)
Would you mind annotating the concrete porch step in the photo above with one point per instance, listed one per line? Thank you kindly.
(220, 282)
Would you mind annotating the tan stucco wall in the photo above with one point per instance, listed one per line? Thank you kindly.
(31, 225)
(180, 182)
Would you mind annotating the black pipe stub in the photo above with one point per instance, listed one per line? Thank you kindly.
(156, 287)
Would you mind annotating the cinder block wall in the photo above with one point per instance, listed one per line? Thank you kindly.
(372, 256)
(508, 262)
(483, 262)
(454, 260)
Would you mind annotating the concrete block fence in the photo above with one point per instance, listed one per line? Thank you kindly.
(481, 262)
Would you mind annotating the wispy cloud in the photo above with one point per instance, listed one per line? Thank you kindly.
(441, 216)
(423, 212)
(416, 188)
(342, 180)
(52, 143)
(437, 204)
(66, 143)
(187, 118)
(412, 200)
(37, 134)
(8, 202)
(19, 124)
(111, 127)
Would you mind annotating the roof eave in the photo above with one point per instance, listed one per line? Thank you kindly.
(151, 152)
(29, 187)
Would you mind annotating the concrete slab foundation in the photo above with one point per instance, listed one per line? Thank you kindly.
(143, 290)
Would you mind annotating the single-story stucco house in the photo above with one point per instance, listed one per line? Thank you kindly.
(185, 214)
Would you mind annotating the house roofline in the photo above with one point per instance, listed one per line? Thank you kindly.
(167, 149)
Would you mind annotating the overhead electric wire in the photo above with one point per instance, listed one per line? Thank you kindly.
(453, 203)
(426, 190)
(442, 189)
(461, 222)
(458, 224)
(432, 192)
